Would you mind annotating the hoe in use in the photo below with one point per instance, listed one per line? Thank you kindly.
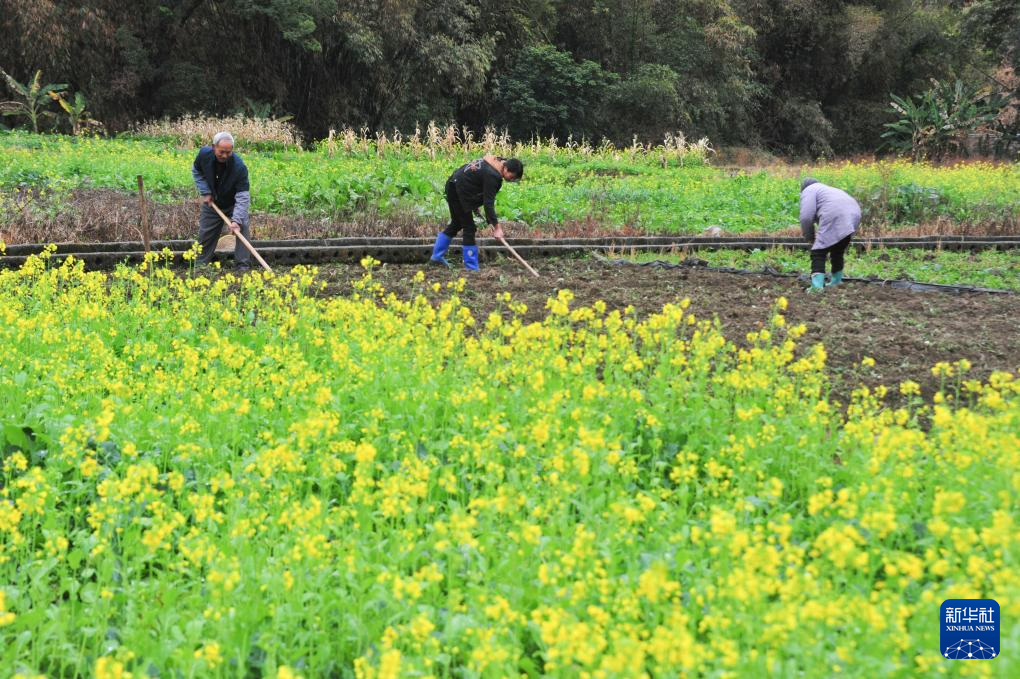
(244, 241)
(514, 253)
(519, 258)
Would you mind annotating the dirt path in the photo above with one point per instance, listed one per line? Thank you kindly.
(905, 332)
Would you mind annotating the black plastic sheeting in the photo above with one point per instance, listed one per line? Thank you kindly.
(806, 278)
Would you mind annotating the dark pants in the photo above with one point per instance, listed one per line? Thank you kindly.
(835, 251)
(460, 217)
(210, 225)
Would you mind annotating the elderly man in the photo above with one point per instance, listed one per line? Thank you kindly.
(221, 177)
(838, 215)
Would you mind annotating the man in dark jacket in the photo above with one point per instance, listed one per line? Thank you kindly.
(221, 177)
(472, 186)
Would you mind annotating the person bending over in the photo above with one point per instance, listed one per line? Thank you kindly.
(470, 187)
(837, 215)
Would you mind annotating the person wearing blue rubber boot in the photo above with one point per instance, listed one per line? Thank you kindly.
(838, 215)
(470, 187)
(440, 248)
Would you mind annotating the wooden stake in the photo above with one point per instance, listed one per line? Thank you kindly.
(519, 258)
(146, 235)
(237, 234)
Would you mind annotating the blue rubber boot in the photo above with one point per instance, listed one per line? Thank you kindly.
(837, 278)
(817, 282)
(439, 250)
(471, 257)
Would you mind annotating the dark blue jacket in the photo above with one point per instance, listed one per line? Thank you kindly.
(233, 181)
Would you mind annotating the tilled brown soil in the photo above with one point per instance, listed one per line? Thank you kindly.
(905, 332)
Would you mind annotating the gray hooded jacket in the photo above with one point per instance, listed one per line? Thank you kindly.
(838, 215)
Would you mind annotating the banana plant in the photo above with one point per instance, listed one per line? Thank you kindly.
(34, 98)
(77, 115)
(940, 119)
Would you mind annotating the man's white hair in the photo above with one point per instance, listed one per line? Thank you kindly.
(223, 136)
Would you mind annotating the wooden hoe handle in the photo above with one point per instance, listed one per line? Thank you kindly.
(519, 258)
(244, 240)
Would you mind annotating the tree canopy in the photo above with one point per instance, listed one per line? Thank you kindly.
(810, 76)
